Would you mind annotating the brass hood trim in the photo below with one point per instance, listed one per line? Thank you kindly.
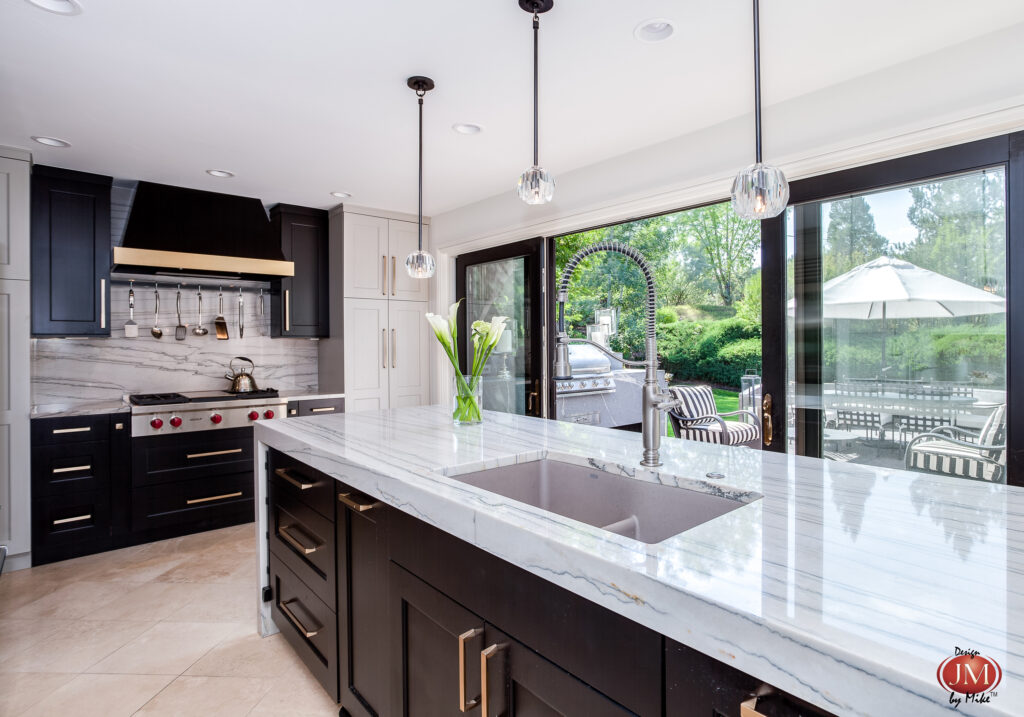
(184, 261)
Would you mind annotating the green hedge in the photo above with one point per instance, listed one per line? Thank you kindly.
(717, 352)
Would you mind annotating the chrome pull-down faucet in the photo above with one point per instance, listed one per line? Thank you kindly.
(655, 400)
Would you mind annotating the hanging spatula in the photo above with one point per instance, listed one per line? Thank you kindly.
(180, 331)
(131, 329)
(220, 324)
(241, 315)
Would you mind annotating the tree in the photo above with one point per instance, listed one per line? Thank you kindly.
(852, 239)
(726, 242)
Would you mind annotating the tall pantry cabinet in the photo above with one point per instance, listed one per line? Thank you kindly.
(15, 401)
(387, 338)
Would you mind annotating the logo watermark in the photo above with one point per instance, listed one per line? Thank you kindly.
(968, 676)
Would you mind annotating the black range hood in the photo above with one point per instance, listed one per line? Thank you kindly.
(189, 232)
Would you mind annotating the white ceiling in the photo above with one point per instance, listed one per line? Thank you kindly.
(303, 98)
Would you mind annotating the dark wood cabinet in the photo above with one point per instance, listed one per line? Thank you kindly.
(299, 304)
(70, 246)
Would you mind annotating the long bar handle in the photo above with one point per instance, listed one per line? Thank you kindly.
(394, 348)
(324, 409)
(287, 310)
(193, 501)
(486, 655)
(392, 275)
(383, 348)
(287, 475)
(81, 429)
(464, 704)
(306, 632)
(72, 469)
(284, 532)
(103, 303)
(208, 454)
(748, 707)
(383, 275)
(76, 519)
(357, 506)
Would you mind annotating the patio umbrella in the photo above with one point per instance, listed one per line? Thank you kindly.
(889, 288)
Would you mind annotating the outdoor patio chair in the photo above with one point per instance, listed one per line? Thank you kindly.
(916, 424)
(965, 454)
(698, 420)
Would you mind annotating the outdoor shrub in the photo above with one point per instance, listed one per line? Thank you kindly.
(716, 352)
(665, 315)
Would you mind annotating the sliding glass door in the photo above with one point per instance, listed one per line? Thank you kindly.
(890, 286)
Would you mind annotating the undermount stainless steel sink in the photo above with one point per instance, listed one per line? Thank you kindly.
(638, 509)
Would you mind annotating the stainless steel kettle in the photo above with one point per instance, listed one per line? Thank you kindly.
(241, 380)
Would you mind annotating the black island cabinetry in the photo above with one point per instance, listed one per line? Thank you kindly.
(396, 617)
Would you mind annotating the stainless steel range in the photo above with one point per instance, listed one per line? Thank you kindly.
(164, 414)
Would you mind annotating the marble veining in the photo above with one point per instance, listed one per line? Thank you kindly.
(70, 372)
(843, 584)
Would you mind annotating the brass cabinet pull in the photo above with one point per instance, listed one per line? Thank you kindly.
(392, 276)
(324, 409)
(288, 309)
(82, 429)
(748, 707)
(383, 348)
(103, 303)
(193, 501)
(464, 704)
(355, 505)
(766, 419)
(71, 469)
(228, 452)
(287, 475)
(394, 348)
(486, 655)
(294, 620)
(283, 531)
(76, 519)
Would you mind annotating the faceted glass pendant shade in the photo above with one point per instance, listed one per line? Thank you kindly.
(420, 265)
(760, 192)
(536, 186)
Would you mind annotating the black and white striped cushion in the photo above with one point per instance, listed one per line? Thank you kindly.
(950, 459)
(696, 401)
(735, 434)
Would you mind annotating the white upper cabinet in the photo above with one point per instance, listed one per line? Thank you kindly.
(14, 244)
(375, 252)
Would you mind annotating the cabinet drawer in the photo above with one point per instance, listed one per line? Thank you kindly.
(71, 467)
(308, 625)
(165, 459)
(300, 482)
(321, 406)
(214, 501)
(71, 524)
(73, 429)
(304, 541)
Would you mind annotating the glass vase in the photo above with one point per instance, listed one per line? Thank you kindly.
(467, 400)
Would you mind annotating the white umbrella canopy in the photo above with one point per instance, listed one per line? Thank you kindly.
(889, 288)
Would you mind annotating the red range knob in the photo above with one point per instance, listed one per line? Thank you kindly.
(156, 423)
(253, 415)
(268, 414)
(216, 418)
(175, 421)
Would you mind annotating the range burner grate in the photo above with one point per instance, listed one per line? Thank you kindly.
(156, 399)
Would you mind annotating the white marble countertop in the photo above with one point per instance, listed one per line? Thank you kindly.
(845, 585)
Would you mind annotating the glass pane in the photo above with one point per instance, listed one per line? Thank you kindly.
(913, 325)
(498, 288)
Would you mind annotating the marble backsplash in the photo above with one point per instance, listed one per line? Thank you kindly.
(71, 370)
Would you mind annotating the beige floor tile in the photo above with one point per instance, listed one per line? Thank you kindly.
(21, 690)
(100, 696)
(142, 566)
(167, 648)
(212, 567)
(17, 635)
(207, 696)
(217, 603)
(150, 601)
(249, 655)
(23, 587)
(72, 601)
(74, 646)
(296, 696)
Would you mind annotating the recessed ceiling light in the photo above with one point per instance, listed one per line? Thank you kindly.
(60, 7)
(654, 30)
(467, 128)
(341, 195)
(51, 141)
(222, 173)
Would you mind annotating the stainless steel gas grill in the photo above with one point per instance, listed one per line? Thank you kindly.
(591, 373)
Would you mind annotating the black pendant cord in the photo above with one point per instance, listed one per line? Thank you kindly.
(419, 226)
(757, 84)
(536, 32)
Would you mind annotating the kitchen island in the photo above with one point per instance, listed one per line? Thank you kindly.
(843, 585)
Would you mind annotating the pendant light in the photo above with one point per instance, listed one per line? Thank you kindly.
(536, 186)
(420, 264)
(760, 191)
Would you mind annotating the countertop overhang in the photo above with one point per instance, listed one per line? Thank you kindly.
(845, 585)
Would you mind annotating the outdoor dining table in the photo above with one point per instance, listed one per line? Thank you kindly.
(895, 403)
